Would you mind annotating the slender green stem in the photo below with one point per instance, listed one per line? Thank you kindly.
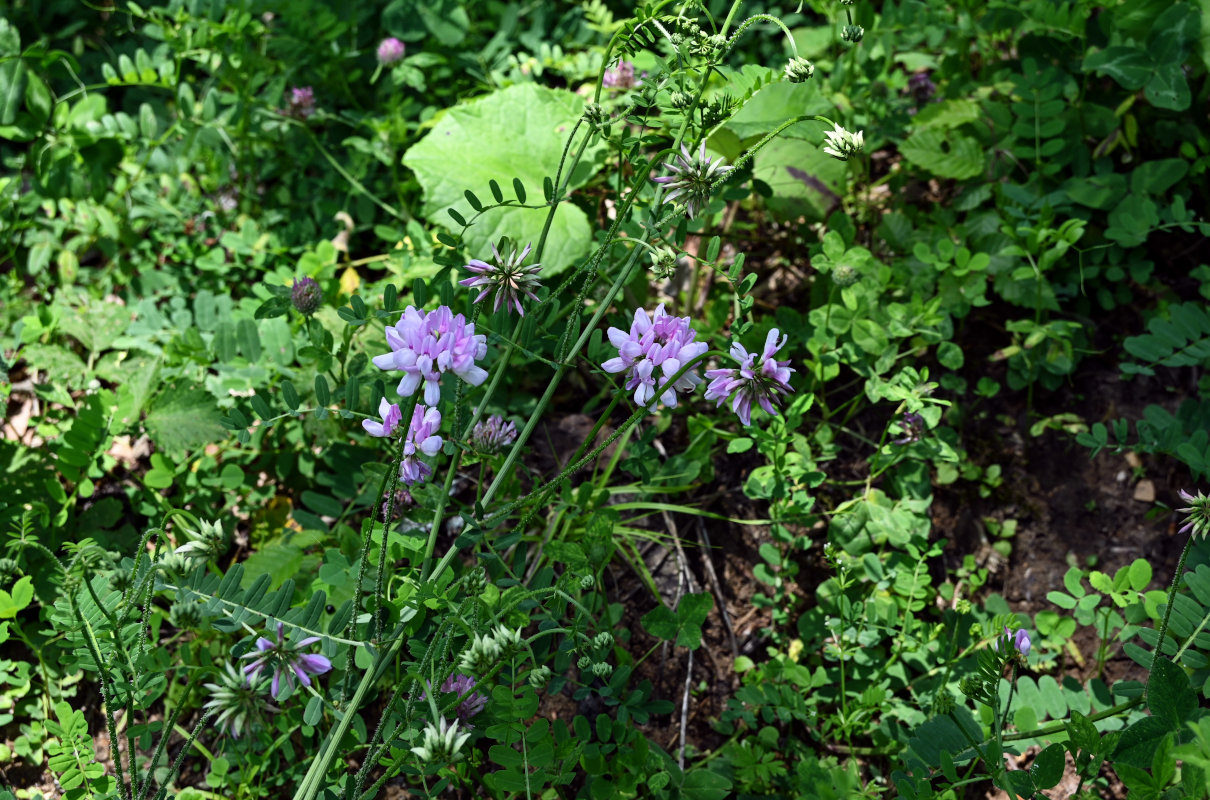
(1176, 582)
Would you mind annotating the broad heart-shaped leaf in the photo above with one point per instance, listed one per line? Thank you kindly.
(768, 108)
(518, 132)
(1168, 88)
(183, 419)
(1047, 768)
(1174, 32)
(805, 181)
(1129, 66)
(945, 155)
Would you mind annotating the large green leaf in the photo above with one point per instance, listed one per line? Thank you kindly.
(805, 181)
(946, 155)
(773, 104)
(1168, 88)
(183, 419)
(12, 73)
(518, 132)
(1129, 66)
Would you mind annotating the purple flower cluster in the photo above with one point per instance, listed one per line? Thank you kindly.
(421, 438)
(1019, 641)
(913, 428)
(301, 104)
(763, 382)
(620, 77)
(660, 342)
(286, 661)
(493, 435)
(427, 344)
(390, 50)
(921, 88)
(472, 703)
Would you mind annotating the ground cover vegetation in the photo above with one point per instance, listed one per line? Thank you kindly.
(474, 398)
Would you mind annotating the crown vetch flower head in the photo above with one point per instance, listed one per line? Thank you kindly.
(852, 33)
(842, 144)
(506, 276)
(422, 438)
(763, 382)
(427, 344)
(655, 348)
(390, 50)
(391, 417)
(493, 435)
(691, 178)
(286, 661)
(1197, 523)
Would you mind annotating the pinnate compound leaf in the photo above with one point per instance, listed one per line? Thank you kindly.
(517, 135)
(183, 419)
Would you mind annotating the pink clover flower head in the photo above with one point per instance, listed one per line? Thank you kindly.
(620, 77)
(506, 277)
(493, 435)
(654, 350)
(762, 382)
(1197, 523)
(691, 179)
(390, 50)
(286, 661)
(302, 102)
(391, 417)
(1019, 641)
(427, 344)
(422, 439)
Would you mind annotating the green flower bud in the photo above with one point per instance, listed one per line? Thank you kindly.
(539, 677)
(681, 100)
(602, 670)
(603, 639)
(663, 263)
(845, 275)
(971, 686)
(799, 70)
(943, 703)
(587, 582)
(963, 606)
(852, 33)
(584, 663)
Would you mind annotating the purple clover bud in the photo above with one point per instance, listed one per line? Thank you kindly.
(620, 77)
(390, 50)
(471, 704)
(306, 296)
(764, 383)
(660, 342)
(493, 435)
(921, 88)
(302, 102)
(912, 426)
